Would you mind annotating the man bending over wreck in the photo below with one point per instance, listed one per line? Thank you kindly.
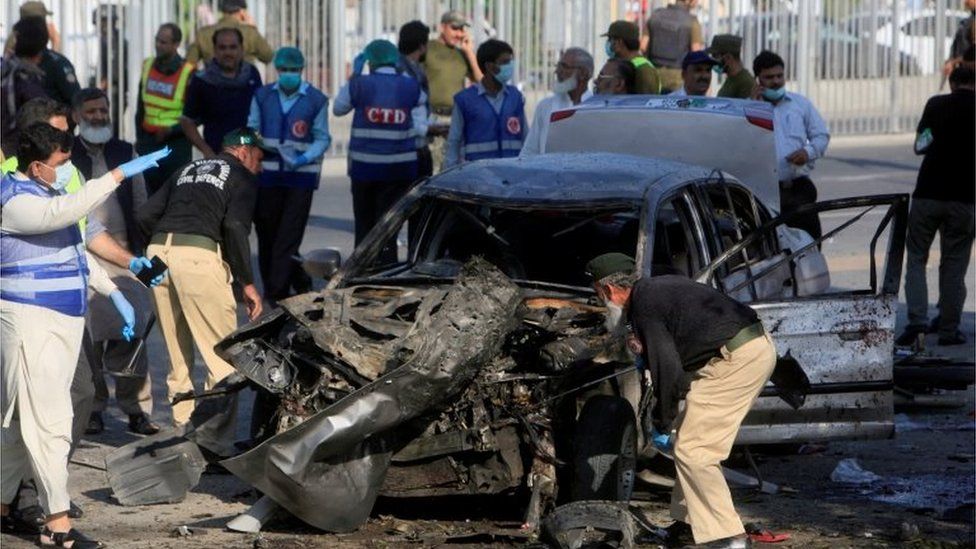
(698, 340)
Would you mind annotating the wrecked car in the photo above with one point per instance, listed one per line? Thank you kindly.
(478, 361)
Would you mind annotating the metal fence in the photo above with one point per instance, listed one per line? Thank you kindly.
(868, 65)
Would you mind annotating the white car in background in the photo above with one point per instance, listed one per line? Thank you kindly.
(916, 33)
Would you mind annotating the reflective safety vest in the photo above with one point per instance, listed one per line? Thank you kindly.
(162, 95)
(490, 135)
(9, 166)
(293, 129)
(382, 145)
(47, 270)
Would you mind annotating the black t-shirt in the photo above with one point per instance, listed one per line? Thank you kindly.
(682, 325)
(212, 197)
(948, 172)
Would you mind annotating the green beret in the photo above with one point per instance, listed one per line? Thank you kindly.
(605, 265)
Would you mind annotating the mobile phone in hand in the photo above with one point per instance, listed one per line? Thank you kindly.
(146, 275)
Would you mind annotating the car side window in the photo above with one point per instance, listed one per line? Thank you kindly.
(677, 239)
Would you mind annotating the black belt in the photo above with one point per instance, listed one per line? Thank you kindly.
(744, 336)
(179, 239)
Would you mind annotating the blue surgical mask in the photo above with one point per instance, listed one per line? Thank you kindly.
(774, 94)
(62, 175)
(608, 48)
(719, 69)
(289, 81)
(505, 72)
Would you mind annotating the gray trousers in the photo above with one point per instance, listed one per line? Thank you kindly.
(954, 221)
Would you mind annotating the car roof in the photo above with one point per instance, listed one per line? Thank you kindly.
(564, 177)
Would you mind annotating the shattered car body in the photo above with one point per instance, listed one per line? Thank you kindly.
(472, 365)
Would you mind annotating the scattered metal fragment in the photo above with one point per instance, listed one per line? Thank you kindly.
(182, 531)
(582, 523)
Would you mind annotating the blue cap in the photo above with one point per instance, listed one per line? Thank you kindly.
(382, 53)
(288, 57)
(697, 58)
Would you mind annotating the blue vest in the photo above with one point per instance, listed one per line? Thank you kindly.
(490, 135)
(294, 129)
(47, 270)
(382, 145)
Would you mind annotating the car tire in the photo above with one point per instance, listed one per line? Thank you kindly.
(605, 450)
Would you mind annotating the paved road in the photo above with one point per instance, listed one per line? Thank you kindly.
(854, 166)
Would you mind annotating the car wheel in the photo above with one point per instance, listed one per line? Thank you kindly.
(605, 450)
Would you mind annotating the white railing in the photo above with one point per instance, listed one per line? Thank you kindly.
(868, 65)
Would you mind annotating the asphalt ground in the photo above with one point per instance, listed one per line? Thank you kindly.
(928, 445)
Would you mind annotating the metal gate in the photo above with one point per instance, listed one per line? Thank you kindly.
(868, 65)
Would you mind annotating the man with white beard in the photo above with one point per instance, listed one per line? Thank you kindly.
(703, 346)
(573, 73)
(97, 152)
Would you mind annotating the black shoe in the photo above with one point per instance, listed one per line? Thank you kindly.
(95, 424)
(933, 327)
(679, 534)
(955, 339)
(75, 512)
(909, 336)
(74, 537)
(140, 424)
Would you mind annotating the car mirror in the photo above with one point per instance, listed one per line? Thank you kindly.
(322, 263)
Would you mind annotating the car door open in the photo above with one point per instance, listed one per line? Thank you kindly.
(841, 333)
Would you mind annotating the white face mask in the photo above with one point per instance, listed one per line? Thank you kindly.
(565, 86)
(95, 134)
(614, 322)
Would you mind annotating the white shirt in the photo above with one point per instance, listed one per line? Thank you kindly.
(539, 130)
(797, 124)
(680, 92)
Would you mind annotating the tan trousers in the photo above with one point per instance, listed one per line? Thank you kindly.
(438, 145)
(194, 304)
(38, 355)
(721, 394)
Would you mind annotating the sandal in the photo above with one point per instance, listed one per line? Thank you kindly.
(74, 537)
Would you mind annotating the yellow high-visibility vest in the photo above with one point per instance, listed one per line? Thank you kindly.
(163, 95)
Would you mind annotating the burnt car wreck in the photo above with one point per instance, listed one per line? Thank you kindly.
(479, 362)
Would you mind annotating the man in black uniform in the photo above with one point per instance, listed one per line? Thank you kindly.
(697, 340)
(199, 222)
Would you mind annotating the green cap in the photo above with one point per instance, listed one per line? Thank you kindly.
(288, 57)
(725, 43)
(605, 265)
(381, 53)
(624, 30)
(245, 136)
(34, 9)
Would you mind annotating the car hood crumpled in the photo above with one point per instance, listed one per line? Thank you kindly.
(328, 470)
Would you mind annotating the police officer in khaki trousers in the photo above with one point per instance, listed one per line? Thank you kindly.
(199, 221)
(698, 341)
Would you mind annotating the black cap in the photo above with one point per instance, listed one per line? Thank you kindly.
(245, 137)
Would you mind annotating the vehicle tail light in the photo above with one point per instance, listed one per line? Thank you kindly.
(559, 115)
(761, 121)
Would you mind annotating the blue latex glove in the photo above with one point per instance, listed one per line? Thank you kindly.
(661, 441)
(137, 264)
(299, 161)
(138, 165)
(358, 63)
(127, 313)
